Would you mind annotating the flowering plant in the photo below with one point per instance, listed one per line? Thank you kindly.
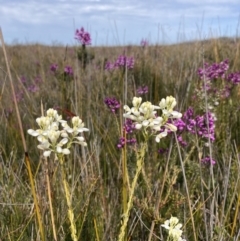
(83, 36)
(174, 229)
(144, 116)
(56, 140)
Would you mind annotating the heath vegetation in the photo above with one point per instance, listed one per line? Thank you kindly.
(120, 143)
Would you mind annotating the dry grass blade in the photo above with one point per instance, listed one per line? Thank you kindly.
(23, 140)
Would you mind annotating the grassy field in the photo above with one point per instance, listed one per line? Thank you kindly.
(192, 174)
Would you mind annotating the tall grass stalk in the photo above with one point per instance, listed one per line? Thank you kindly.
(27, 160)
(73, 228)
(125, 180)
(50, 200)
(159, 197)
(140, 162)
(187, 190)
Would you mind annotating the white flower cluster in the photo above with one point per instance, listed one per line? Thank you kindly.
(52, 139)
(174, 229)
(145, 115)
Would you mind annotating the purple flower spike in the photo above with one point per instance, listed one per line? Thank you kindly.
(234, 78)
(109, 66)
(83, 36)
(180, 124)
(214, 71)
(33, 88)
(163, 151)
(208, 160)
(181, 141)
(23, 79)
(112, 104)
(201, 126)
(53, 67)
(144, 43)
(68, 70)
(123, 141)
(122, 62)
(142, 90)
(129, 126)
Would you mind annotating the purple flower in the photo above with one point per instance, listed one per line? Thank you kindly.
(123, 141)
(208, 160)
(234, 78)
(181, 141)
(225, 92)
(204, 130)
(180, 124)
(129, 126)
(144, 43)
(53, 67)
(214, 71)
(142, 90)
(163, 151)
(38, 80)
(196, 125)
(19, 96)
(112, 104)
(109, 66)
(68, 70)
(83, 36)
(33, 88)
(23, 79)
(121, 62)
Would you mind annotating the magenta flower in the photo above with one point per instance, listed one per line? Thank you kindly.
(129, 126)
(234, 78)
(142, 90)
(121, 62)
(53, 67)
(144, 43)
(23, 79)
(83, 36)
(68, 70)
(123, 142)
(208, 160)
(109, 66)
(38, 80)
(124, 61)
(214, 71)
(33, 88)
(112, 104)
(163, 151)
(196, 125)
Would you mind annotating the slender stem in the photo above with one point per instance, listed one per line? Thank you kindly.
(69, 202)
(186, 187)
(39, 218)
(159, 196)
(50, 201)
(125, 179)
(140, 159)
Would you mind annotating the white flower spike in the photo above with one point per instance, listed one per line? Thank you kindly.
(52, 139)
(145, 117)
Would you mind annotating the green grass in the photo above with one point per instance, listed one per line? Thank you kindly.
(95, 173)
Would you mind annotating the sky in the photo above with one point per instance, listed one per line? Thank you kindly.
(118, 22)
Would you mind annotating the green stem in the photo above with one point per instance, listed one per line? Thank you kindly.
(140, 161)
(39, 217)
(69, 202)
(125, 181)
